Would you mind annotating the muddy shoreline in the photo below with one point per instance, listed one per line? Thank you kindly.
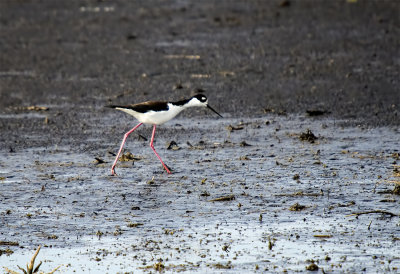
(259, 197)
(254, 191)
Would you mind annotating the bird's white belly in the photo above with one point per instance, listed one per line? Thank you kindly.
(155, 117)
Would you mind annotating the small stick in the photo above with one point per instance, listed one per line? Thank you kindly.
(369, 226)
(32, 262)
(10, 271)
(224, 198)
(371, 212)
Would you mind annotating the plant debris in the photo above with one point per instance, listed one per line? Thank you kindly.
(299, 193)
(128, 156)
(312, 267)
(244, 144)
(396, 189)
(316, 112)
(9, 243)
(224, 198)
(6, 251)
(98, 161)
(173, 146)
(36, 108)
(308, 136)
(223, 266)
(130, 224)
(30, 267)
(204, 194)
(297, 207)
(275, 111)
(374, 211)
(231, 128)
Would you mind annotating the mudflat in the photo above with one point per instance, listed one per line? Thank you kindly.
(301, 173)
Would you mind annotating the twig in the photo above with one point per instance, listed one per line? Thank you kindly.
(224, 198)
(300, 193)
(55, 269)
(30, 266)
(369, 226)
(371, 212)
(32, 262)
(9, 271)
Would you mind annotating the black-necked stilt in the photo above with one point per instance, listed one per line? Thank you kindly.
(157, 113)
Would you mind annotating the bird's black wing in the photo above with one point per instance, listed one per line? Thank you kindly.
(145, 106)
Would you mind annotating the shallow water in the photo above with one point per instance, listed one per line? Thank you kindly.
(86, 220)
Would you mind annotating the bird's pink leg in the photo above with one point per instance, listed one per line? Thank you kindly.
(120, 149)
(152, 147)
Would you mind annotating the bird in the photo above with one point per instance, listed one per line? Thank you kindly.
(157, 113)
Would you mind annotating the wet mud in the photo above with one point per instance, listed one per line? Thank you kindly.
(301, 174)
(277, 203)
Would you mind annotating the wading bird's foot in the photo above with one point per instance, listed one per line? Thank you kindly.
(168, 169)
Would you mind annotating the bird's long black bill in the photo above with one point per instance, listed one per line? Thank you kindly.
(214, 111)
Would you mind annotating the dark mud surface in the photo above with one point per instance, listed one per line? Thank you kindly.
(335, 56)
(254, 191)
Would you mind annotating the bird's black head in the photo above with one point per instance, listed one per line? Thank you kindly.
(202, 101)
(202, 98)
